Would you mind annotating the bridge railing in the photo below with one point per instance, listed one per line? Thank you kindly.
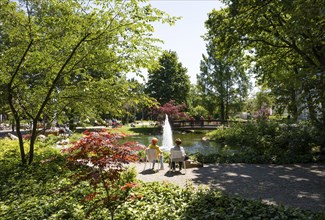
(213, 123)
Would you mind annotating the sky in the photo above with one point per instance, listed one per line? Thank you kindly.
(185, 36)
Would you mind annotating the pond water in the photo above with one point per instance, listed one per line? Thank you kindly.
(192, 142)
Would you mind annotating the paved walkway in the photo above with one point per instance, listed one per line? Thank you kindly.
(299, 185)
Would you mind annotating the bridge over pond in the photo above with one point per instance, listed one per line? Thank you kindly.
(199, 124)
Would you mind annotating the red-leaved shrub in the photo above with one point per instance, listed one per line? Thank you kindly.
(101, 157)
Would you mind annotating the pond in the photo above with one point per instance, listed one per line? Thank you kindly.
(192, 142)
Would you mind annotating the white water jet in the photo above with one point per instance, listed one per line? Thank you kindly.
(167, 141)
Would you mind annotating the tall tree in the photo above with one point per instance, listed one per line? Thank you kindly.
(195, 97)
(286, 95)
(168, 80)
(222, 80)
(136, 100)
(48, 47)
(277, 36)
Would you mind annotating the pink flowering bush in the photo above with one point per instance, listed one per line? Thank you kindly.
(174, 111)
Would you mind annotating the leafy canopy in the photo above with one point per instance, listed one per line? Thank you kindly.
(168, 80)
(222, 80)
(277, 38)
(58, 54)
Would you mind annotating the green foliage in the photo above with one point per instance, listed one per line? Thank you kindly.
(46, 190)
(272, 39)
(263, 98)
(168, 80)
(207, 204)
(156, 201)
(145, 130)
(50, 140)
(199, 111)
(63, 59)
(195, 97)
(8, 148)
(99, 158)
(128, 175)
(268, 142)
(223, 81)
(75, 137)
(42, 190)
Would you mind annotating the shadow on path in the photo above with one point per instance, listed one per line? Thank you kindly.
(300, 185)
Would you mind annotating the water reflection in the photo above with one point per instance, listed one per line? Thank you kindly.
(192, 142)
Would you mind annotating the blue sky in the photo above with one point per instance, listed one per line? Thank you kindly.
(185, 37)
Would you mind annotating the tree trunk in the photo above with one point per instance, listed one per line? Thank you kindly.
(12, 107)
(20, 138)
(17, 120)
(323, 115)
(32, 141)
(13, 125)
(227, 109)
(21, 142)
(322, 94)
(293, 105)
(222, 110)
(311, 110)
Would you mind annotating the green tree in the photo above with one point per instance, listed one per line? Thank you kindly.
(49, 47)
(195, 96)
(117, 97)
(263, 98)
(285, 96)
(136, 100)
(222, 80)
(168, 80)
(199, 111)
(277, 36)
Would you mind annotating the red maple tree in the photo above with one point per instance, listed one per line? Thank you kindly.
(100, 159)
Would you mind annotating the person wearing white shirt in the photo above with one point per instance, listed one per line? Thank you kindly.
(178, 147)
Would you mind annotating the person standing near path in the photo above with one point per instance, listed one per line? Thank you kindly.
(154, 145)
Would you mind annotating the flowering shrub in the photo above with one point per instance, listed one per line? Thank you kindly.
(174, 111)
(100, 158)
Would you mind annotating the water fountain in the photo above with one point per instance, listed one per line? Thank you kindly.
(167, 141)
